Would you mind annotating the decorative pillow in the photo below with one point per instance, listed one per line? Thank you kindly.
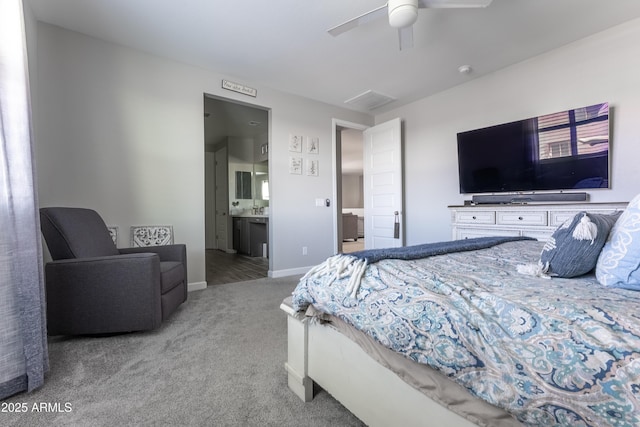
(574, 247)
(619, 262)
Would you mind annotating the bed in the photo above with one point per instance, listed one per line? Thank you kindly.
(474, 336)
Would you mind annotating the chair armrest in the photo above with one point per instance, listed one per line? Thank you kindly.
(177, 252)
(103, 294)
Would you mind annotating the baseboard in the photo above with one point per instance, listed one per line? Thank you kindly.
(288, 272)
(196, 286)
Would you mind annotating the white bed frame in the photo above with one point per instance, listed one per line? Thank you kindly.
(373, 393)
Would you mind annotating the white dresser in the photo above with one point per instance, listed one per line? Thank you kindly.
(535, 220)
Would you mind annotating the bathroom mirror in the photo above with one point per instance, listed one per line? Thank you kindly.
(243, 185)
(261, 183)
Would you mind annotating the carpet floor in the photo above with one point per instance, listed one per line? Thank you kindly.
(217, 361)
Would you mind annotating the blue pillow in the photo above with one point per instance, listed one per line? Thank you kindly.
(574, 247)
(619, 263)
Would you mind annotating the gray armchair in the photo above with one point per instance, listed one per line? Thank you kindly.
(349, 226)
(93, 287)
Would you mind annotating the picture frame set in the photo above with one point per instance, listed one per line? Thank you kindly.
(298, 163)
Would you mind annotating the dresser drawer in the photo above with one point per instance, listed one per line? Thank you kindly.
(557, 218)
(482, 217)
(535, 220)
(522, 218)
(470, 233)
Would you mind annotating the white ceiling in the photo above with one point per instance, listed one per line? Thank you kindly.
(284, 44)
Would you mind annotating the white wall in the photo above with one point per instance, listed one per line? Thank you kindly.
(299, 222)
(122, 132)
(601, 68)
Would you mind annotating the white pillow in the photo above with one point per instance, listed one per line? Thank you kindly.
(618, 265)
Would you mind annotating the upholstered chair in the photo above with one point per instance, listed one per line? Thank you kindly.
(349, 226)
(92, 287)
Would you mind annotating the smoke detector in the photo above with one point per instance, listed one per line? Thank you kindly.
(464, 69)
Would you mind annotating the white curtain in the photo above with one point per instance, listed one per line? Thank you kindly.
(23, 338)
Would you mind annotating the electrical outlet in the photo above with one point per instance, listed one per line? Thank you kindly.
(304, 250)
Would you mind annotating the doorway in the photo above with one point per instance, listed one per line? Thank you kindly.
(352, 190)
(349, 195)
(382, 184)
(236, 140)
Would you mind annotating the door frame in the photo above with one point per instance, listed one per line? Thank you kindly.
(337, 176)
(268, 110)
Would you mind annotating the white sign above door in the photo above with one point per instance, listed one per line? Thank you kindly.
(240, 88)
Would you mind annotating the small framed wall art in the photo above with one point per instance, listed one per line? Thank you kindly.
(295, 143)
(313, 145)
(312, 167)
(295, 165)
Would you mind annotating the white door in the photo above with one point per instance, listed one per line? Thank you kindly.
(383, 187)
(222, 199)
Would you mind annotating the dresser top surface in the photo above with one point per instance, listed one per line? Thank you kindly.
(569, 205)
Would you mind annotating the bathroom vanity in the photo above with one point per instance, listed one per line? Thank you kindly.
(251, 235)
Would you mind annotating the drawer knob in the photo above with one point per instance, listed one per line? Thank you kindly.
(474, 217)
(520, 218)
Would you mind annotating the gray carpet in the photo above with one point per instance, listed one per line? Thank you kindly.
(218, 361)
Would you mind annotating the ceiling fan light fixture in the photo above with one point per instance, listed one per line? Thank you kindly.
(402, 13)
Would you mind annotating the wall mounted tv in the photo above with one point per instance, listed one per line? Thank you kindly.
(559, 151)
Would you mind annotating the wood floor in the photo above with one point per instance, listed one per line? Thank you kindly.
(350, 246)
(230, 268)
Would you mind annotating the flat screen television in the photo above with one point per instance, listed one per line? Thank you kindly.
(559, 151)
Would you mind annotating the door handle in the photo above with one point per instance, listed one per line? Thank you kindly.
(396, 225)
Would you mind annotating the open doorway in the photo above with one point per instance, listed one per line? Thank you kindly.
(349, 187)
(352, 189)
(382, 182)
(236, 190)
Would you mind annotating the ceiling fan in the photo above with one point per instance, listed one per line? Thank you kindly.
(403, 14)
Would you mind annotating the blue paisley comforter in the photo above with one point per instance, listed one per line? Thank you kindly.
(551, 352)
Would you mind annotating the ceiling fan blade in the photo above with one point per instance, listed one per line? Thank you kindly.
(405, 36)
(449, 4)
(358, 20)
